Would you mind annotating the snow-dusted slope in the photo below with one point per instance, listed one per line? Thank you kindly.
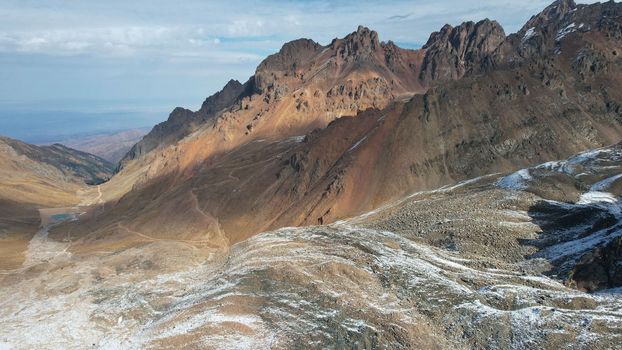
(317, 286)
(580, 215)
(466, 266)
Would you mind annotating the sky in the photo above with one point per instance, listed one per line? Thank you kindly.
(120, 64)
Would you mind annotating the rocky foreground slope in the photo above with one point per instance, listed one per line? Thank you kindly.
(477, 264)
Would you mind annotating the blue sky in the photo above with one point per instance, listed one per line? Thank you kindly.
(157, 54)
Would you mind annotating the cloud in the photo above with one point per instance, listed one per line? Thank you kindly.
(101, 41)
(155, 48)
(399, 17)
(116, 27)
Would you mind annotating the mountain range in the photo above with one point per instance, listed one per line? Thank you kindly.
(470, 102)
(352, 195)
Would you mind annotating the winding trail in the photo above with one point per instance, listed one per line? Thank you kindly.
(155, 239)
(214, 221)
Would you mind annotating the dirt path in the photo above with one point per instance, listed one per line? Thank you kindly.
(220, 235)
(190, 242)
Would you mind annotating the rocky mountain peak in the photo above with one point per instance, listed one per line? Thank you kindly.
(358, 44)
(292, 57)
(232, 84)
(544, 32)
(223, 98)
(550, 16)
(465, 34)
(453, 51)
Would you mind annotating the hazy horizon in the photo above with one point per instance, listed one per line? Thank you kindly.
(44, 122)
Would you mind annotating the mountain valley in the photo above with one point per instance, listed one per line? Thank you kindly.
(351, 195)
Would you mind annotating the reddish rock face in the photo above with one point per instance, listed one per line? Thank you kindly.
(345, 77)
(454, 51)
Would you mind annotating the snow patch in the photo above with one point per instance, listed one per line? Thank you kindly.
(594, 197)
(516, 181)
(529, 34)
(297, 139)
(563, 32)
(559, 166)
(358, 143)
(605, 184)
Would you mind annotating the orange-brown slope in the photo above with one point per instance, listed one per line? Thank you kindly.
(302, 87)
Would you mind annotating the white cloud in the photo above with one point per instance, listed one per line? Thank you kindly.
(142, 48)
(142, 26)
(130, 41)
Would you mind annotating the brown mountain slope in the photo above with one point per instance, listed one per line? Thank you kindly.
(546, 107)
(525, 103)
(182, 122)
(302, 87)
(39, 174)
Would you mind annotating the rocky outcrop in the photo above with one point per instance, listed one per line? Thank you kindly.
(454, 51)
(600, 268)
(222, 99)
(552, 32)
(291, 60)
(357, 46)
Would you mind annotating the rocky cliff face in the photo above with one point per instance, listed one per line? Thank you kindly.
(303, 87)
(600, 268)
(518, 112)
(291, 60)
(454, 51)
(326, 82)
